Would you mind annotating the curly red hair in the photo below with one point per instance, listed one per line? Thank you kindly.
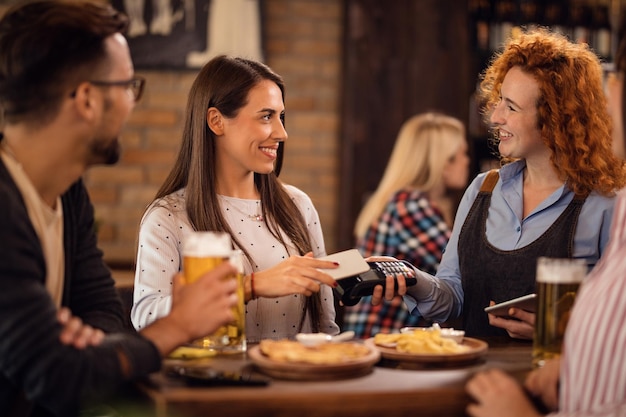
(571, 109)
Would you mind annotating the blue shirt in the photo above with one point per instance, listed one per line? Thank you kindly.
(440, 297)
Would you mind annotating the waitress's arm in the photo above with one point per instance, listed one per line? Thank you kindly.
(440, 297)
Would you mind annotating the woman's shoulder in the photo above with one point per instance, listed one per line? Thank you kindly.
(602, 200)
(174, 201)
(173, 204)
(474, 186)
(297, 194)
(409, 197)
(406, 194)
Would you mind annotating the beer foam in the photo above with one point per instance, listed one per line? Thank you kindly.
(203, 244)
(561, 271)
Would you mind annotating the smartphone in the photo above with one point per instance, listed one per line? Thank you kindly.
(205, 376)
(357, 277)
(526, 302)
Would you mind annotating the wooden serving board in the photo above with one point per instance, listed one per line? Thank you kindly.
(477, 348)
(313, 372)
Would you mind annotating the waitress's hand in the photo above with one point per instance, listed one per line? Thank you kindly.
(295, 275)
(521, 327)
(389, 292)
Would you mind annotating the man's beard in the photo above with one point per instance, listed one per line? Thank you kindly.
(107, 153)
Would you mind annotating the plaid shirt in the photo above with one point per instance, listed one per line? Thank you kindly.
(410, 228)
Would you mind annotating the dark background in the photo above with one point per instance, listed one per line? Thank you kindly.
(168, 52)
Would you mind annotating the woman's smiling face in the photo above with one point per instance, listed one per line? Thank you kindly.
(250, 140)
(515, 116)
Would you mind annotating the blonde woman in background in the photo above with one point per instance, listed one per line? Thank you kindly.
(410, 214)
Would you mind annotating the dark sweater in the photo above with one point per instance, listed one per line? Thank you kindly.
(56, 379)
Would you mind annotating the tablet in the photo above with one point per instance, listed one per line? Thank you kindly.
(526, 302)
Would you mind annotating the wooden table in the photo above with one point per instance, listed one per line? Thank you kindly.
(388, 390)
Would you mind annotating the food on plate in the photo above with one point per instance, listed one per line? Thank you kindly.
(420, 341)
(456, 335)
(185, 352)
(386, 339)
(322, 354)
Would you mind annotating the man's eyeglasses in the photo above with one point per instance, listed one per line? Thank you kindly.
(135, 85)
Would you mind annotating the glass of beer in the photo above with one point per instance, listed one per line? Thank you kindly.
(202, 252)
(557, 283)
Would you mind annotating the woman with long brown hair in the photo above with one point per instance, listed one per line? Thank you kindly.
(226, 179)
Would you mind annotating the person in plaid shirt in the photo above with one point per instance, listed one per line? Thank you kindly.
(410, 214)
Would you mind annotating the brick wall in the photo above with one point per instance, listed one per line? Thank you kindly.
(303, 44)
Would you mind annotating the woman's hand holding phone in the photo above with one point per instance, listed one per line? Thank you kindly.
(519, 323)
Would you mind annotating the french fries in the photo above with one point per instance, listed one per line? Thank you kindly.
(420, 341)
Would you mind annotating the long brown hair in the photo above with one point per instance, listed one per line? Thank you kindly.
(224, 83)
